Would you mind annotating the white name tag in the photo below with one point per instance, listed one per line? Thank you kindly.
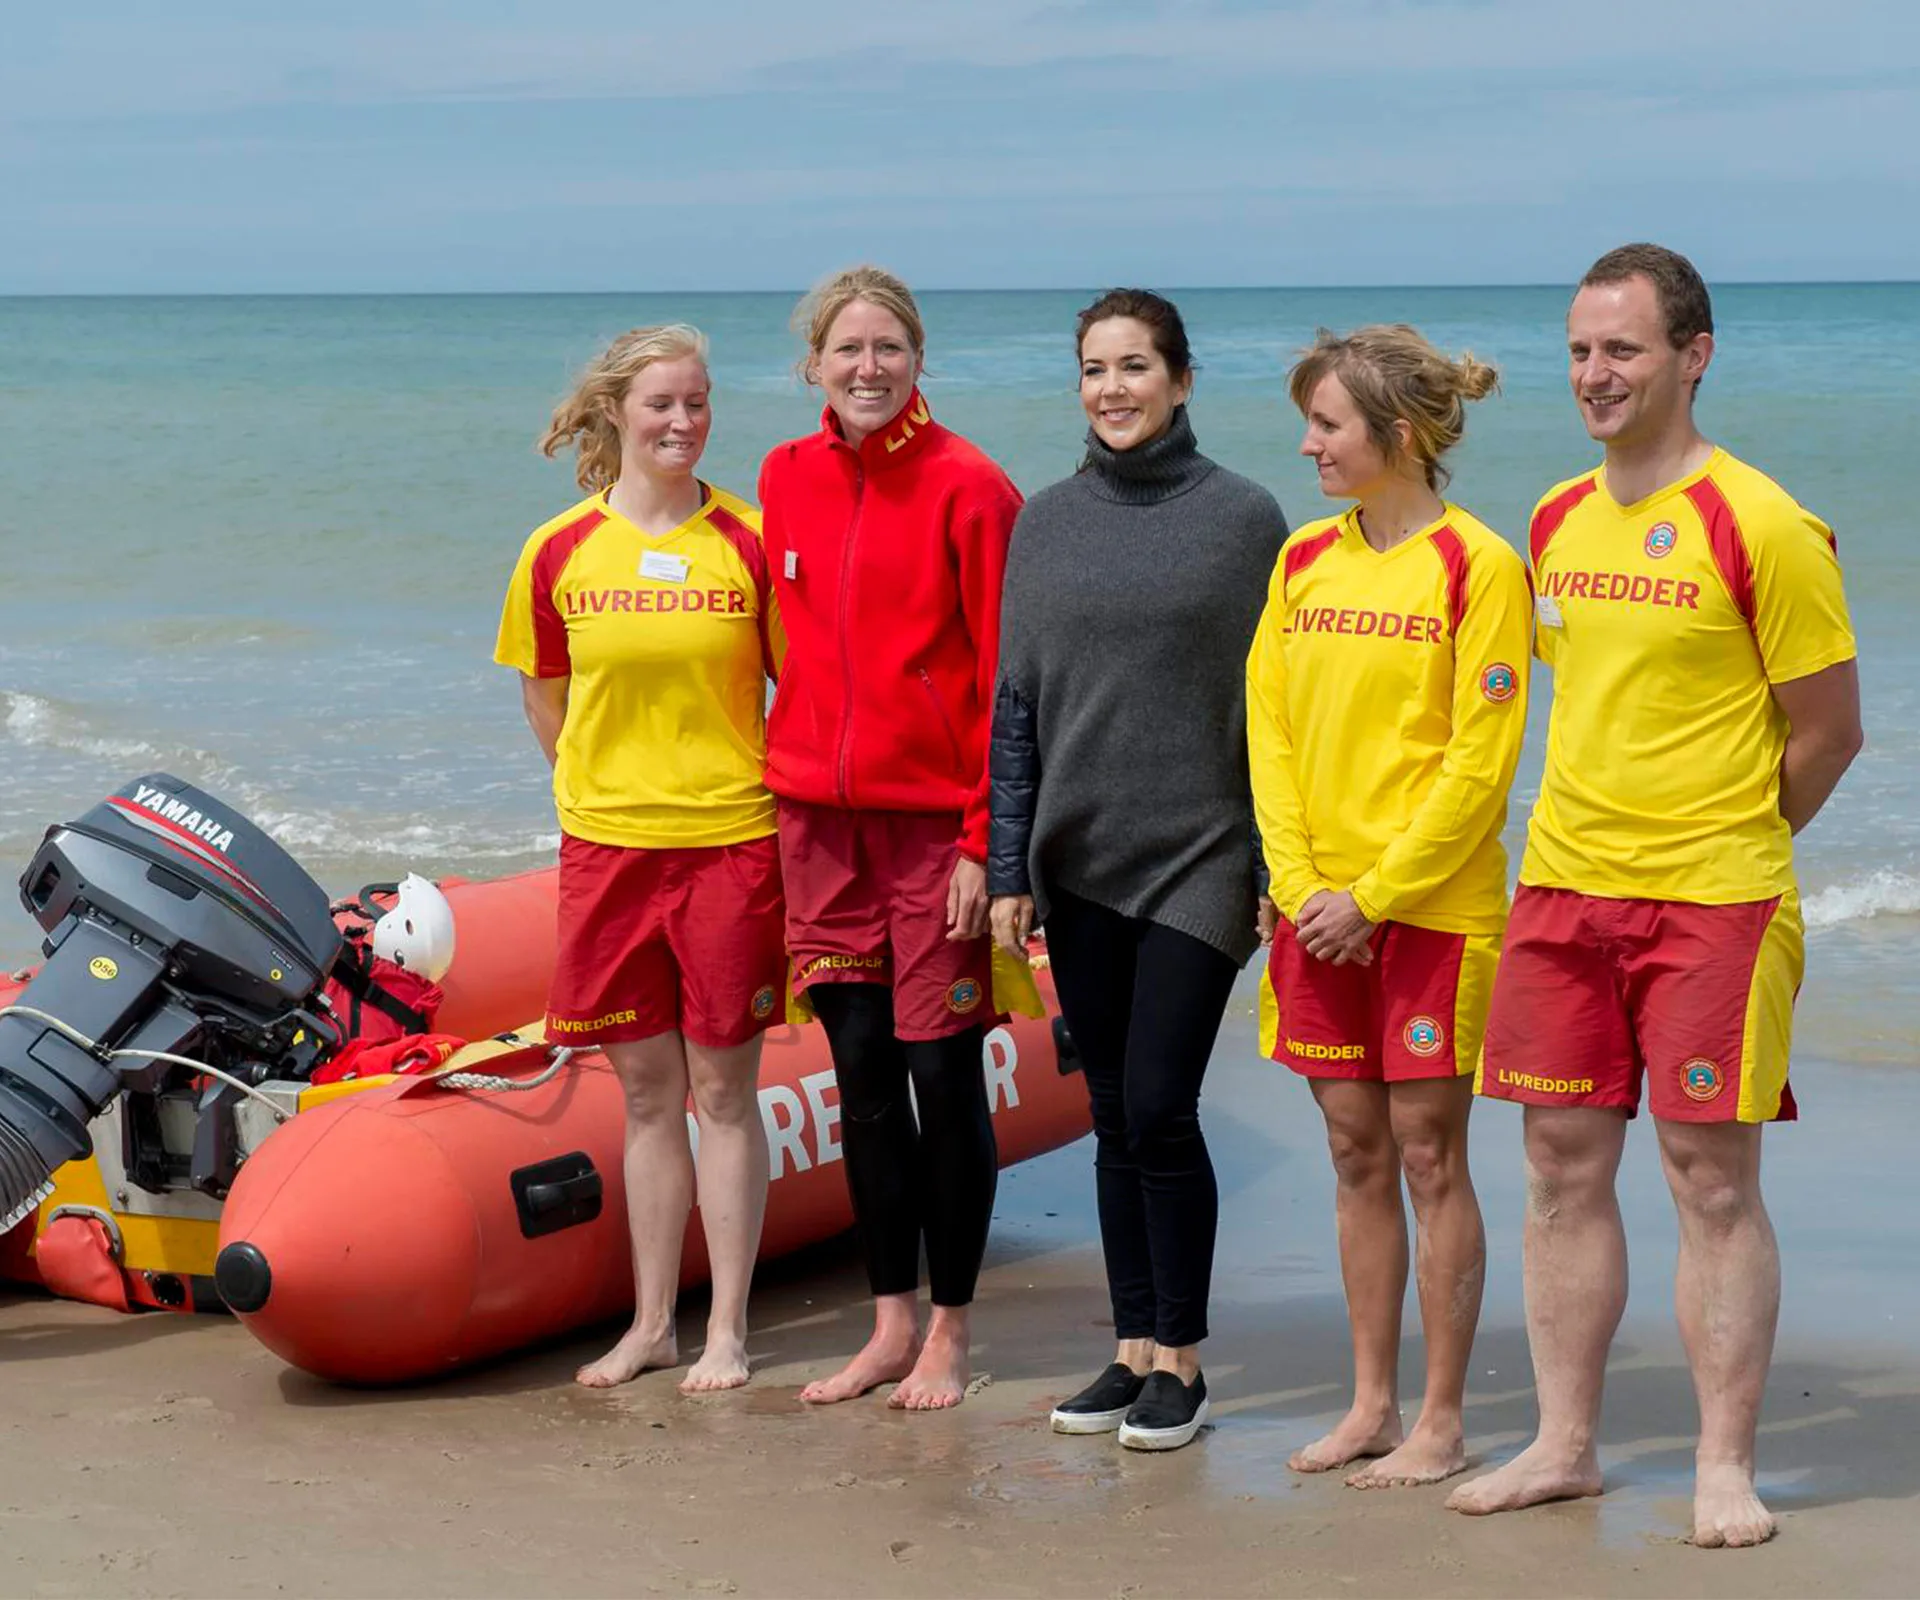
(1547, 610)
(793, 564)
(667, 568)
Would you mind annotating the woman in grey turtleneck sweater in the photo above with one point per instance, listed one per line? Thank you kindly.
(1122, 817)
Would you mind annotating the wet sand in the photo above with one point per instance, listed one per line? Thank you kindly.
(173, 1456)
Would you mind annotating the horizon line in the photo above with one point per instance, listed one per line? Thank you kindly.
(1056, 288)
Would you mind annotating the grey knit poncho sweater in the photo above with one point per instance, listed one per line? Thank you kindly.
(1132, 593)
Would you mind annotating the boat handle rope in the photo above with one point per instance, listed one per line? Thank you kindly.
(92, 1047)
(562, 1054)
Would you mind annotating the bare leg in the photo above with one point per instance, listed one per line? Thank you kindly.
(1373, 1265)
(1576, 1288)
(1727, 1294)
(731, 1173)
(940, 1374)
(886, 1358)
(659, 1178)
(1136, 1355)
(1450, 1267)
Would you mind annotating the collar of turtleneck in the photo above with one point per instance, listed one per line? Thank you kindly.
(1157, 470)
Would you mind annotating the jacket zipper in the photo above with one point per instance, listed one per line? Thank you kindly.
(940, 713)
(846, 654)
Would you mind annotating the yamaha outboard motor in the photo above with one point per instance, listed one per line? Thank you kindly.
(174, 926)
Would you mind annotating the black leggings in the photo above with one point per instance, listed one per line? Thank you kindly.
(935, 1176)
(1144, 1004)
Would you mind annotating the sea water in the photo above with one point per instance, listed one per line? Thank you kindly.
(261, 542)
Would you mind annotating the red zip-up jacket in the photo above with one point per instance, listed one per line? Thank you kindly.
(887, 561)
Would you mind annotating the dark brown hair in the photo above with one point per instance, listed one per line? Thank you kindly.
(1685, 306)
(1161, 316)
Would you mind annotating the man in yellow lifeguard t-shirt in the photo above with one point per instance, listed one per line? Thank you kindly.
(1705, 703)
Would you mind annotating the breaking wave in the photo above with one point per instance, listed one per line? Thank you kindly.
(1881, 893)
(322, 838)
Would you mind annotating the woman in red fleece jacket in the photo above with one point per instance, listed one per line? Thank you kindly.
(887, 536)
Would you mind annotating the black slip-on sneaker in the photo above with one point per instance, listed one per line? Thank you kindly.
(1168, 1413)
(1102, 1405)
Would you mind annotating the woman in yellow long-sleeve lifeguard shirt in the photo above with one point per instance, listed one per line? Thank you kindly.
(1386, 704)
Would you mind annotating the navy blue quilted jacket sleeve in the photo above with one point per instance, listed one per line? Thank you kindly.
(1013, 766)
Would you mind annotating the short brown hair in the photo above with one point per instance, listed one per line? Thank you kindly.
(1678, 288)
(1395, 374)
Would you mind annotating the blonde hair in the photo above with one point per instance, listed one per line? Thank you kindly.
(589, 418)
(814, 316)
(1396, 375)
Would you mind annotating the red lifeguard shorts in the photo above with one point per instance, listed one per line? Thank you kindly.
(867, 903)
(1417, 1012)
(1595, 994)
(657, 940)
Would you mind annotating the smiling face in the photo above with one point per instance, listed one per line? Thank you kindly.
(665, 417)
(868, 366)
(1127, 388)
(1340, 445)
(1631, 385)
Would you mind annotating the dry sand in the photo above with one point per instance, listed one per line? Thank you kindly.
(162, 1455)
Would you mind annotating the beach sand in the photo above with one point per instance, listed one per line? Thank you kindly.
(161, 1455)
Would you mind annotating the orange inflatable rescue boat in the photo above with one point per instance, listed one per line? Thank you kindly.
(410, 1229)
(372, 1230)
(103, 1238)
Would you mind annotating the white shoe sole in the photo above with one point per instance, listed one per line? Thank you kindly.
(1088, 1421)
(1164, 1438)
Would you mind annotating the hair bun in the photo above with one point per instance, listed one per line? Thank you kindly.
(1477, 378)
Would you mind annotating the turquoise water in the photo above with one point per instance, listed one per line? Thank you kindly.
(261, 541)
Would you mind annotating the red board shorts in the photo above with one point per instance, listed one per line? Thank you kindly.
(657, 940)
(867, 903)
(1417, 1012)
(1595, 994)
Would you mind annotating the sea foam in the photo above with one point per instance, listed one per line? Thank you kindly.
(1880, 893)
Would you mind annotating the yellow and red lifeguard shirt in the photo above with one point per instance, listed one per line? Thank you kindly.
(1666, 623)
(1386, 706)
(668, 642)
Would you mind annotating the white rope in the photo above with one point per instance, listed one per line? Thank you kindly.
(487, 1080)
(280, 1114)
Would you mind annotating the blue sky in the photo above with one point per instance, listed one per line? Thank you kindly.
(226, 145)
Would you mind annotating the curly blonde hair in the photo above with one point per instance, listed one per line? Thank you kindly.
(589, 418)
(1395, 374)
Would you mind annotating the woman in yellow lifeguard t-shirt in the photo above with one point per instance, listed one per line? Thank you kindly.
(642, 624)
(1386, 703)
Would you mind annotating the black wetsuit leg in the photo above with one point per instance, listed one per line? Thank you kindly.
(959, 1162)
(879, 1141)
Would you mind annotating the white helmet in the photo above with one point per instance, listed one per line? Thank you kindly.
(418, 932)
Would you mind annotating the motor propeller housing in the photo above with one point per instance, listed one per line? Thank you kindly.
(173, 925)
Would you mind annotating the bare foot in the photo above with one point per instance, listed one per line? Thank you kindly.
(1726, 1511)
(1531, 1478)
(639, 1351)
(1428, 1456)
(882, 1361)
(1359, 1433)
(722, 1365)
(938, 1379)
